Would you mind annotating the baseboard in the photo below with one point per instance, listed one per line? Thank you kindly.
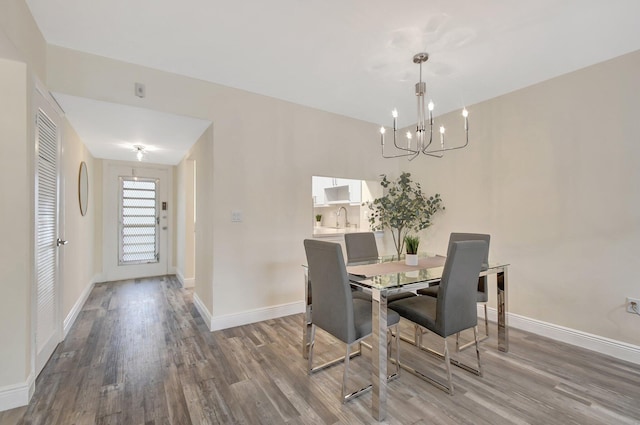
(13, 396)
(77, 307)
(180, 277)
(602, 345)
(202, 309)
(186, 282)
(257, 315)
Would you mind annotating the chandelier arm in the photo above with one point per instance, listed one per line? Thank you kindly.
(395, 143)
(400, 155)
(449, 149)
(414, 156)
(396, 156)
(433, 155)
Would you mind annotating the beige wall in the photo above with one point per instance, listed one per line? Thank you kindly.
(16, 215)
(22, 60)
(547, 168)
(184, 225)
(552, 173)
(263, 155)
(20, 38)
(21, 57)
(78, 267)
(202, 154)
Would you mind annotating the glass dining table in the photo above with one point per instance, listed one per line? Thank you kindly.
(389, 276)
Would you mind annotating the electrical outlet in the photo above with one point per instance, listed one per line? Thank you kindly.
(630, 302)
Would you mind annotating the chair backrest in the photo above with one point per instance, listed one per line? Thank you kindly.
(456, 303)
(331, 301)
(361, 247)
(482, 281)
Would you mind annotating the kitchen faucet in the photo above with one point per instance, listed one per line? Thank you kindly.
(346, 219)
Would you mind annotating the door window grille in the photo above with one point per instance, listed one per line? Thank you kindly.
(138, 221)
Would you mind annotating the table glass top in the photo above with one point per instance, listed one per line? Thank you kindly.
(406, 277)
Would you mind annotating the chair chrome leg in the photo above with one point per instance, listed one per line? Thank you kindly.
(485, 336)
(398, 349)
(475, 337)
(312, 340)
(345, 376)
(448, 366)
(486, 321)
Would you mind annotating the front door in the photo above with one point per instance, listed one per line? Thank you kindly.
(136, 221)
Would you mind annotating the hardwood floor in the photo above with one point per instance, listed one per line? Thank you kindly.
(139, 353)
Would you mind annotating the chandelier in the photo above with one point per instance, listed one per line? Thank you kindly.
(423, 142)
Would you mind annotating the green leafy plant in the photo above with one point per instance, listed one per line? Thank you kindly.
(318, 217)
(403, 209)
(412, 243)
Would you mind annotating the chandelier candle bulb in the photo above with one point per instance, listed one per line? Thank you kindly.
(442, 137)
(465, 114)
(382, 130)
(394, 114)
(431, 106)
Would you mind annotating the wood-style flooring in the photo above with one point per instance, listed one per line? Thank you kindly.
(139, 353)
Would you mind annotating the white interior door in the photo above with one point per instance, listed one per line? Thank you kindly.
(47, 255)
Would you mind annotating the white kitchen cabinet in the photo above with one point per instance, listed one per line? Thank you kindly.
(333, 190)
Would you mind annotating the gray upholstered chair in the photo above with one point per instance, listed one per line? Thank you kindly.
(335, 310)
(454, 309)
(362, 249)
(483, 293)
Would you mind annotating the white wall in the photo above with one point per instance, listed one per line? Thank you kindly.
(552, 173)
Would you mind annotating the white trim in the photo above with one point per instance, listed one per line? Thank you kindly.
(186, 282)
(179, 276)
(206, 315)
(77, 307)
(256, 315)
(618, 349)
(18, 395)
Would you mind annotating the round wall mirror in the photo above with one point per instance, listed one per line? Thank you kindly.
(83, 188)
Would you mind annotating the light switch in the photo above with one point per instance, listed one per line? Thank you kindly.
(236, 216)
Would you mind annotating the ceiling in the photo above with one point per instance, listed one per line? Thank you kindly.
(112, 131)
(354, 57)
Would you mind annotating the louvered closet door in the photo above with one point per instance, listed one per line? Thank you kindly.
(47, 332)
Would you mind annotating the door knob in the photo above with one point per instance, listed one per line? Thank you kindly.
(61, 242)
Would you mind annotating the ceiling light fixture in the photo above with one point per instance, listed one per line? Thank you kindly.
(140, 151)
(425, 117)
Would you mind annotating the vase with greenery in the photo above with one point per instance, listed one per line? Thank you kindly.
(318, 219)
(403, 209)
(411, 242)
